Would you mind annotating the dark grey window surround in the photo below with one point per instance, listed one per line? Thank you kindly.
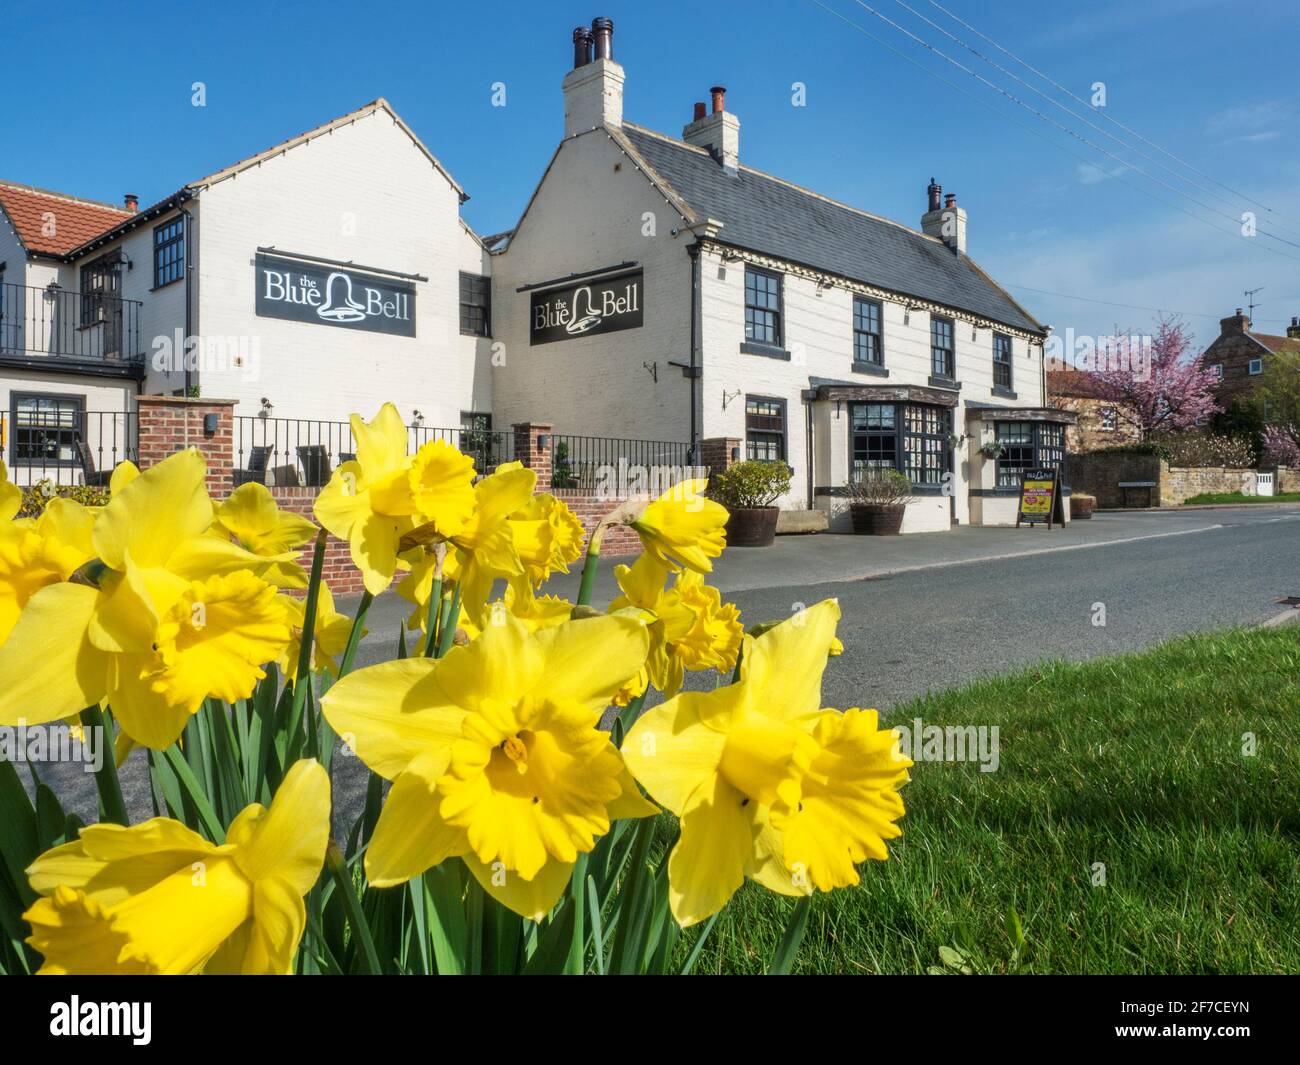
(23, 434)
(168, 252)
(903, 438)
(475, 305)
(1003, 382)
(868, 333)
(943, 349)
(764, 307)
(765, 428)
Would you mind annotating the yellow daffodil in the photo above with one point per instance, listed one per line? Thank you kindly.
(385, 494)
(123, 474)
(485, 548)
(683, 528)
(494, 754)
(548, 537)
(38, 552)
(540, 612)
(159, 898)
(11, 496)
(690, 626)
(148, 622)
(251, 519)
(331, 633)
(766, 782)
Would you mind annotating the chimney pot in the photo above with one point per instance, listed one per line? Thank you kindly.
(934, 190)
(581, 47)
(132, 201)
(950, 200)
(602, 32)
(699, 110)
(719, 94)
(1293, 330)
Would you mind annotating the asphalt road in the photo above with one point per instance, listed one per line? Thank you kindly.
(933, 611)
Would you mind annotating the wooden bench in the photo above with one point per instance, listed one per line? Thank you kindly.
(1127, 486)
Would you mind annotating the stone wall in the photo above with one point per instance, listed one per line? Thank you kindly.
(1180, 483)
(1099, 474)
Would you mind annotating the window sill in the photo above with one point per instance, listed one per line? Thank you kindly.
(871, 369)
(1005, 393)
(945, 382)
(168, 284)
(768, 351)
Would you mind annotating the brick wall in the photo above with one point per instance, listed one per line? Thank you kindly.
(1098, 474)
(168, 424)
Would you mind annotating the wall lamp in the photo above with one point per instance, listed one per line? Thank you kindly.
(209, 425)
(735, 454)
(543, 442)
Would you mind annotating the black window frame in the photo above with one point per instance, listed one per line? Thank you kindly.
(764, 431)
(771, 316)
(1038, 446)
(865, 339)
(475, 317)
(75, 431)
(100, 282)
(1002, 363)
(169, 252)
(945, 370)
(911, 438)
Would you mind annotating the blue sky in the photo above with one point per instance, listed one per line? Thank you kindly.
(99, 104)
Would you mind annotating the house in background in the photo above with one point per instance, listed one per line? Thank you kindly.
(325, 275)
(1100, 423)
(1240, 357)
(658, 287)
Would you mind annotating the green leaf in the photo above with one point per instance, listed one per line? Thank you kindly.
(193, 792)
(555, 943)
(445, 890)
(698, 946)
(788, 949)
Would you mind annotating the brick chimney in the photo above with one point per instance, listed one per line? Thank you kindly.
(1293, 330)
(593, 89)
(132, 202)
(718, 131)
(947, 223)
(1234, 325)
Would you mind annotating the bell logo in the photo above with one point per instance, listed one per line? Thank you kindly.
(345, 310)
(586, 317)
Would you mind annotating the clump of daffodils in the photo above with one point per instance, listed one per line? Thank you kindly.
(494, 779)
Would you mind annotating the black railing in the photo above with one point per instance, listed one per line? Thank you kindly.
(66, 448)
(305, 451)
(585, 463)
(71, 325)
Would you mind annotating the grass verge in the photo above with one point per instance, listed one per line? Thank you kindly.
(1133, 762)
(1238, 497)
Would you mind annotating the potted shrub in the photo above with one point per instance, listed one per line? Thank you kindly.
(748, 490)
(877, 500)
(1081, 505)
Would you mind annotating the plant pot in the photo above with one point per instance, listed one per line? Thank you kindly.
(752, 526)
(877, 519)
(1081, 507)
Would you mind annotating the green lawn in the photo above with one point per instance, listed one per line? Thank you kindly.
(1135, 762)
(1237, 497)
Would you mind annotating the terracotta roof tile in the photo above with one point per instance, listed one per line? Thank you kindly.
(35, 212)
(1078, 384)
(1277, 343)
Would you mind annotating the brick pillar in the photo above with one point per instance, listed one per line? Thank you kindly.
(169, 424)
(716, 451)
(529, 450)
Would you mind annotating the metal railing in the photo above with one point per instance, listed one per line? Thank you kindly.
(67, 448)
(306, 451)
(71, 325)
(580, 462)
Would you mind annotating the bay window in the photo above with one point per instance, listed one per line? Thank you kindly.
(909, 437)
(1028, 446)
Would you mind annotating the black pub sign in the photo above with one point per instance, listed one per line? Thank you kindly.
(586, 308)
(334, 295)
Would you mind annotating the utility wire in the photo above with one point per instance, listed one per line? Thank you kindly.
(1132, 132)
(1085, 120)
(1065, 129)
(1112, 303)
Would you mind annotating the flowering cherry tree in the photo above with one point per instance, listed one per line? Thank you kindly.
(1155, 383)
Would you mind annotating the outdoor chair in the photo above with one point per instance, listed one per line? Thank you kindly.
(256, 469)
(315, 462)
(92, 477)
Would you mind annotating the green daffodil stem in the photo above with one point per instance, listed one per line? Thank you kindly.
(300, 688)
(358, 627)
(343, 885)
(447, 635)
(431, 619)
(589, 567)
(110, 788)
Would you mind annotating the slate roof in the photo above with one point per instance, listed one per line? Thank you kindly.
(75, 221)
(764, 214)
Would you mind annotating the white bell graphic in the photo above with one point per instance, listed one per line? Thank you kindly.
(581, 321)
(348, 310)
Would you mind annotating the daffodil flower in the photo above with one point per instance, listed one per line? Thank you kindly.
(159, 898)
(36, 552)
(495, 754)
(384, 494)
(331, 634)
(164, 615)
(682, 527)
(690, 626)
(485, 547)
(767, 783)
(11, 496)
(548, 537)
(251, 519)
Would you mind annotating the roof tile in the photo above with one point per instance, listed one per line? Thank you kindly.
(53, 223)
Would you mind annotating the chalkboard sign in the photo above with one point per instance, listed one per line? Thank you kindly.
(1040, 498)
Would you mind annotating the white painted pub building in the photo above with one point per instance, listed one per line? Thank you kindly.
(655, 289)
